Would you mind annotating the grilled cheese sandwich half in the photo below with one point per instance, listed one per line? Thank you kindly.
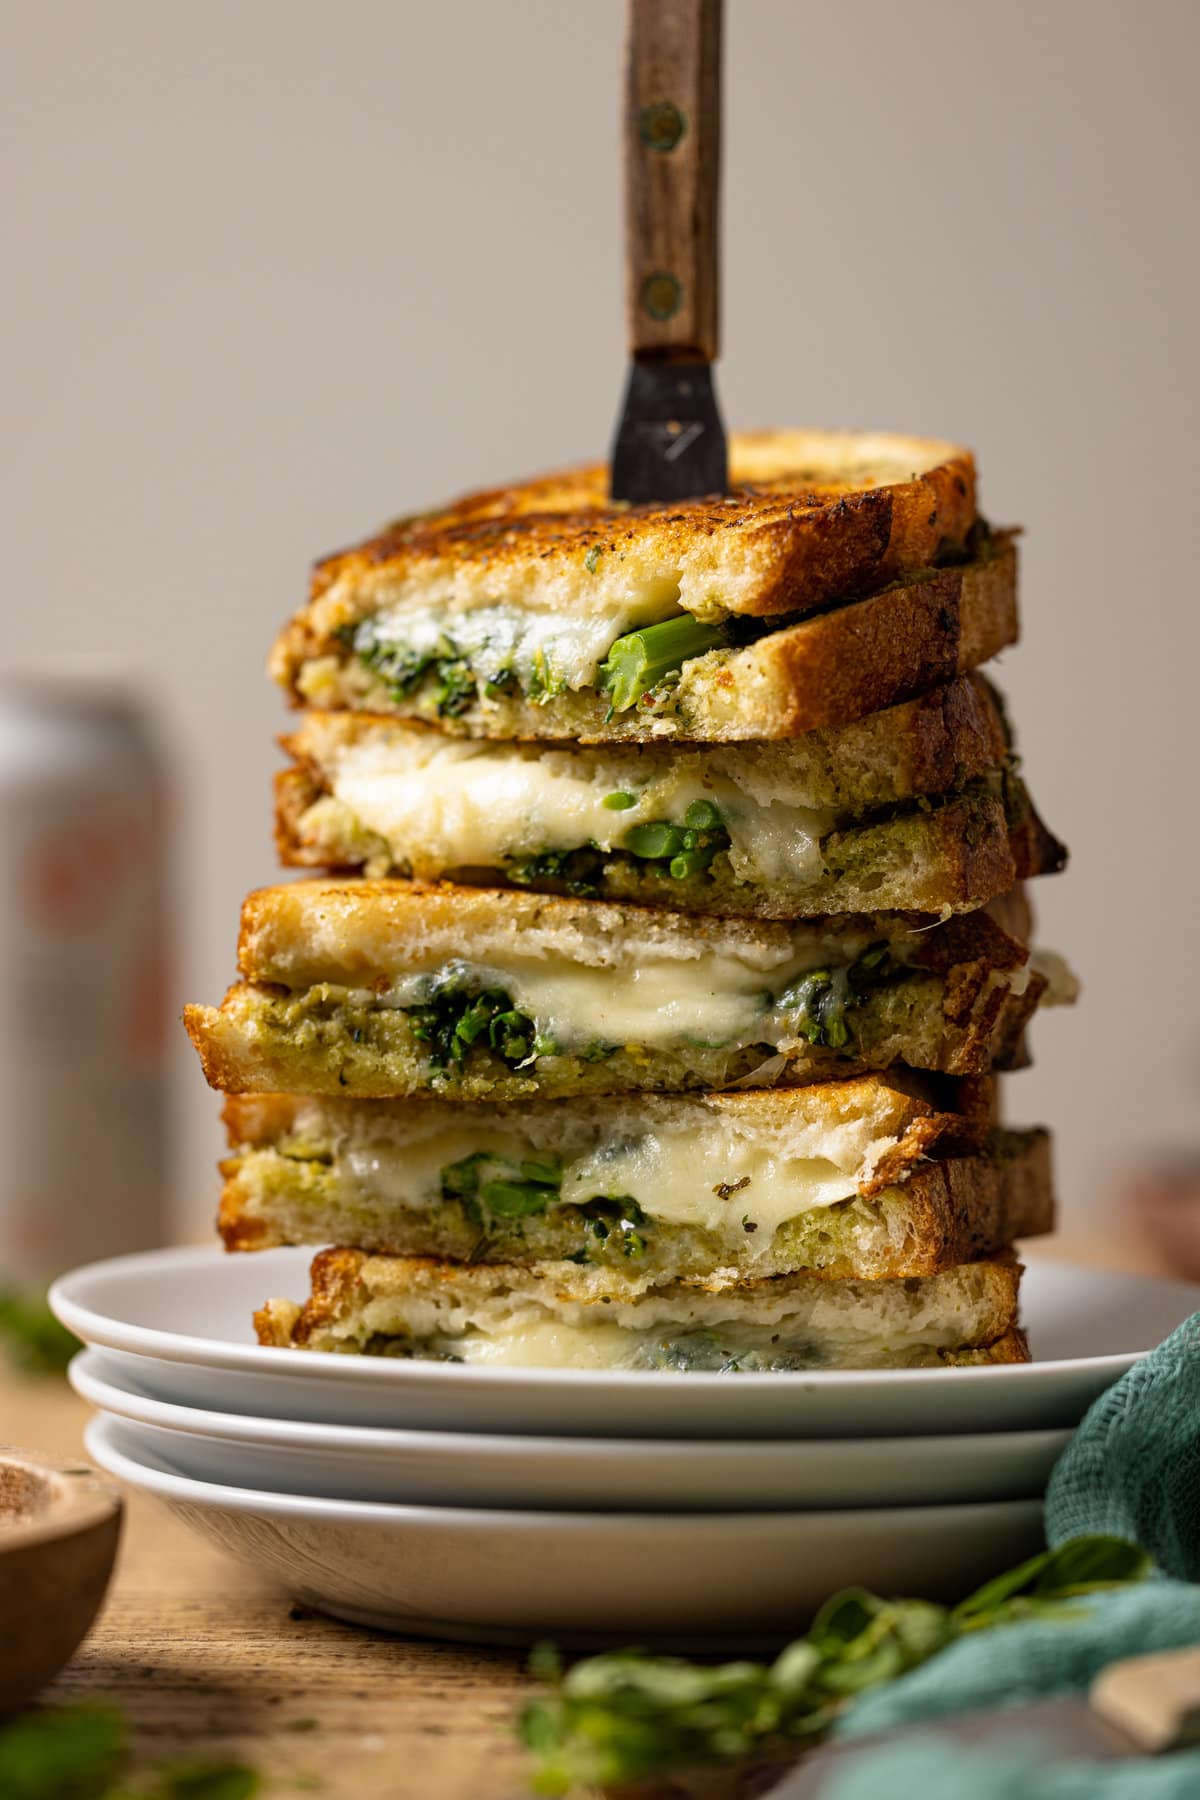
(862, 1177)
(557, 1316)
(827, 823)
(387, 988)
(541, 610)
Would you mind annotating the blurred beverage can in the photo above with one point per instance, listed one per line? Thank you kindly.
(83, 1066)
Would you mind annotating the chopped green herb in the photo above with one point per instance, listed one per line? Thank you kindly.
(82, 1753)
(873, 963)
(638, 661)
(815, 1007)
(618, 1215)
(544, 681)
(456, 688)
(621, 801)
(403, 669)
(460, 1179)
(592, 559)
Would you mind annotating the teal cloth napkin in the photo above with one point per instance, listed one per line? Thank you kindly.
(929, 1771)
(1132, 1469)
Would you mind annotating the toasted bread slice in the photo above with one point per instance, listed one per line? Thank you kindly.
(555, 1315)
(836, 1178)
(811, 516)
(775, 830)
(362, 987)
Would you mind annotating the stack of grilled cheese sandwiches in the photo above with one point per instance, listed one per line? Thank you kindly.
(670, 929)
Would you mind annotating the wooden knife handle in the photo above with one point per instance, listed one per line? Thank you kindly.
(672, 164)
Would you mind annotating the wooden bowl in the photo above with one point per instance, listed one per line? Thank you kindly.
(60, 1523)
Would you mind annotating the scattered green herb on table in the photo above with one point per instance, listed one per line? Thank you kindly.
(32, 1337)
(82, 1753)
(628, 1716)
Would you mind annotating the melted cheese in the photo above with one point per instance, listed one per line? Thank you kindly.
(543, 1343)
(716, 1178)
(710, 1000)
(441, 804)
(707, 1172)
(501, 639)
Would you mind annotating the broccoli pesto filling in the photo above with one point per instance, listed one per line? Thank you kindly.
(446, 663)
(522, 1014)
(491, 1189)
(701, 1174)
(439, 803)
(651, 1202)
(678, 848)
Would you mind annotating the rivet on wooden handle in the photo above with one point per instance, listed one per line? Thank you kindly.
(672, 132)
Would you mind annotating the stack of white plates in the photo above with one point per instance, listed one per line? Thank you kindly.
(512, 1504)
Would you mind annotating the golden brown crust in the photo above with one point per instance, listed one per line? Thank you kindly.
(862, 658)
(339, 930)
(1036, 850)
(1011, 1347)
(827, 512)
(955, 733)
(297, 789)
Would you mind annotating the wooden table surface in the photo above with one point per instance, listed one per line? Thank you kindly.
(206, 1660)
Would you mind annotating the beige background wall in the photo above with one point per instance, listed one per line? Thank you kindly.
(278, 268)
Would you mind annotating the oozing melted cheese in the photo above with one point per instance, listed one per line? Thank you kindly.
(449, 804)
(547, 1342)
(711, 1000)
(704, 1171)
(644, 1334)
(502, 639)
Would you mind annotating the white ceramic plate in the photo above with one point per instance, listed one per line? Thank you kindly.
(448, 1468)
(180, 1320)
(696, 1579)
